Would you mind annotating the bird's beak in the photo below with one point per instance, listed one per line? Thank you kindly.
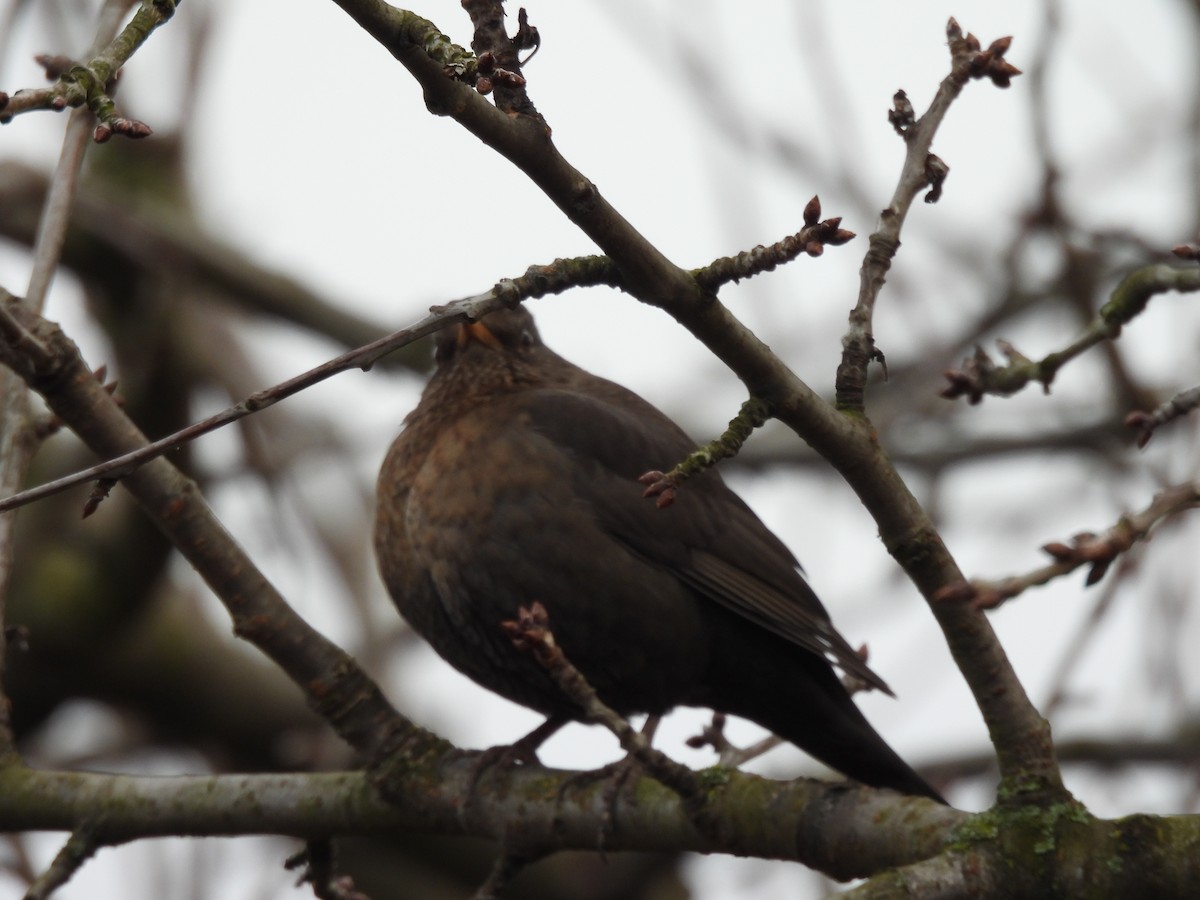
(476, 331)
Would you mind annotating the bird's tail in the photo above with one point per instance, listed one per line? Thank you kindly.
(799, 697)
(833, 729)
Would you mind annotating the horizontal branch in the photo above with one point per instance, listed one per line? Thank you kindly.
(125, 807)
(809, 822)
(557, 810)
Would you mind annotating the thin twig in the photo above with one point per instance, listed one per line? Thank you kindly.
(810, 240)
(123, 466)
(729, 754)
(52, 228)
(980, 376)
(531, 632)
(499, 64)
(536, 282)
(1098, 551)
(79, 848)
(921, 169)
(664, 485)
(1147, 423)
(90, 82)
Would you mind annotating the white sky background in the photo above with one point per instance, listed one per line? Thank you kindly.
(314, 152)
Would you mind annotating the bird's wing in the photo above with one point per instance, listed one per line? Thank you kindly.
(708, 537)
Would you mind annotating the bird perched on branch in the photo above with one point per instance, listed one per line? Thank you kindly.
(516, 480)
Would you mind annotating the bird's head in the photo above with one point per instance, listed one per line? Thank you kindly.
(500, 352)
(507, 331)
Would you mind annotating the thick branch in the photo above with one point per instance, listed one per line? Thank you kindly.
(332, 682)
(810, 822)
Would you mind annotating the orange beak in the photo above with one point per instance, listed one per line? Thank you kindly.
(476, 331)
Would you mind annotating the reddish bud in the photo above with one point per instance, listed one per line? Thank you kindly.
(1096, 572)
(979, 62)
(1060, 552)
(131, 128)
(1002, 73)
(660, 485)
(812, 211)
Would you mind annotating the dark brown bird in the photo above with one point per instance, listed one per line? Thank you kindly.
(515, 480)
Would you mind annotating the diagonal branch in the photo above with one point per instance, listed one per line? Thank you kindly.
(19, 435)
(90, 82)
(536, 282)
(334, 685)
(1147, 423)
(1097, 551)
(979, 375)
(79, 848)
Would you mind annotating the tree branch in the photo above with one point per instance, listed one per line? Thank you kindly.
(332, 682)
(810, 821)
(1098, 551)
(920, 170)
(90, 82)
(536, 282)
(979, 375)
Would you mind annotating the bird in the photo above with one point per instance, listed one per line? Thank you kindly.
(515, 480)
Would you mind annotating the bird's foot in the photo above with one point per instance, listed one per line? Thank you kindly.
(522, 752)
(617, 775)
